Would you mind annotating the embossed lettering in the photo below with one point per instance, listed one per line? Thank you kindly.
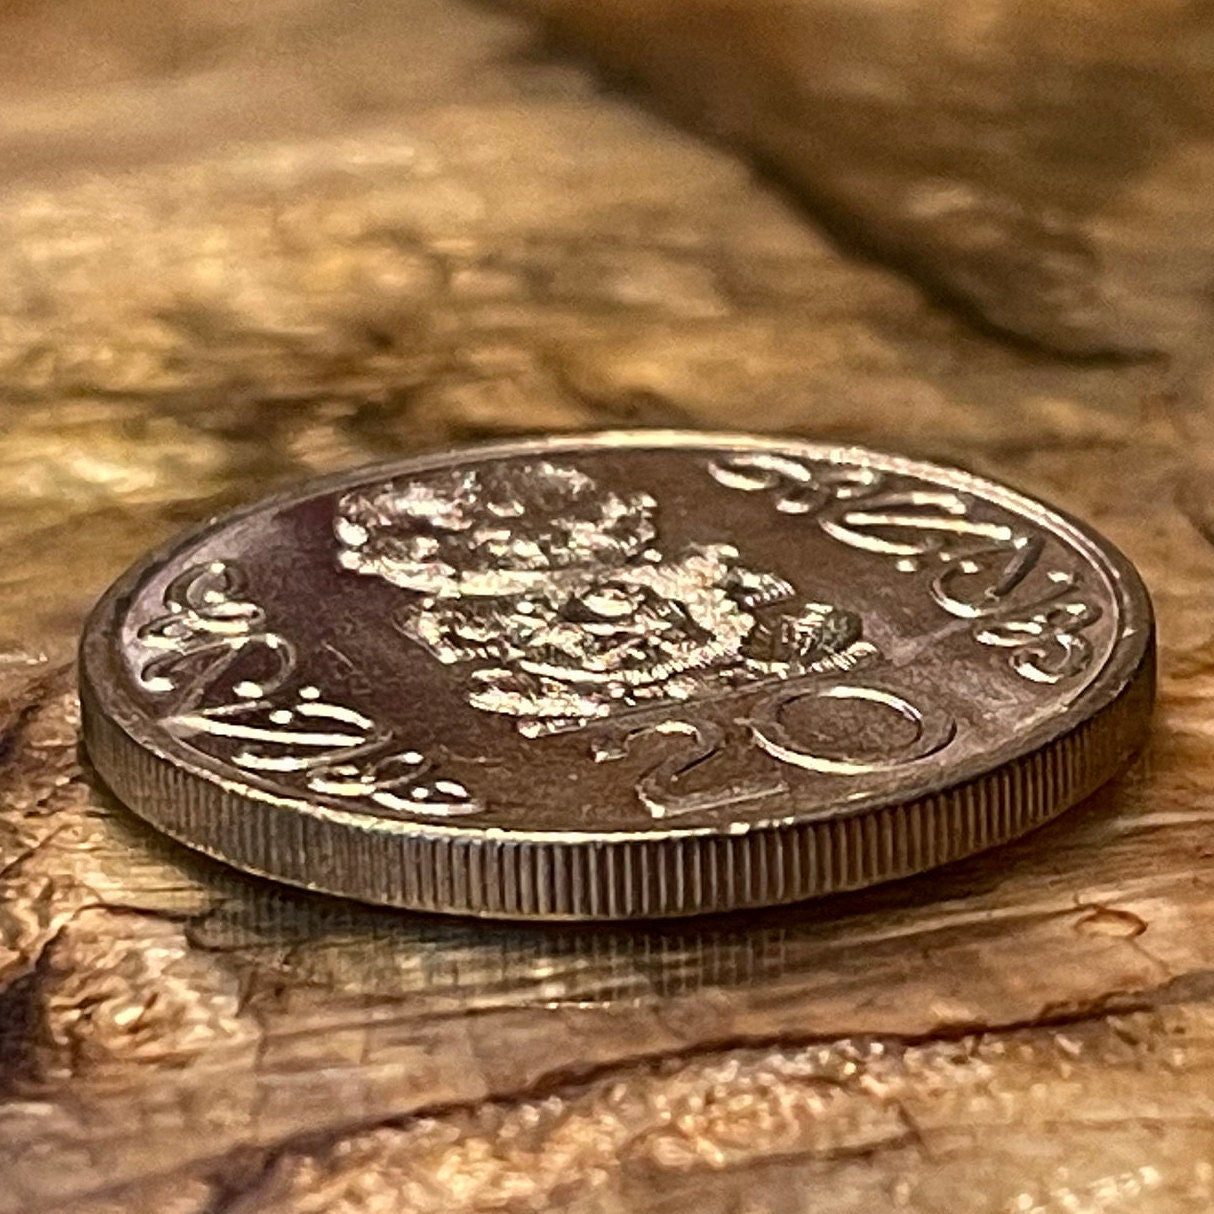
(260, 726)
(272, 737)
(207, 625)
(700, 742)
(798, 487)
(913, 523)
(980, 564)
(1047, 644)
(932, 730)
(979, 584)
(397, 783)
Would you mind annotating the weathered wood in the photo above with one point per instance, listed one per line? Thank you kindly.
(1047, 167)
(500, 247)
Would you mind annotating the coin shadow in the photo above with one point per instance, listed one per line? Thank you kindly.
(319, 941)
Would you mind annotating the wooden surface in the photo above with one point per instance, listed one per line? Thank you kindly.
(239, 248)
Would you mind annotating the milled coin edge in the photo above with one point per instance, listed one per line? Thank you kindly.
(119, 739)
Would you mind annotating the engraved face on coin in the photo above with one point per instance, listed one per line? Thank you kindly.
(620, 675)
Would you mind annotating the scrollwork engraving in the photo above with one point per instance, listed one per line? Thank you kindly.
(797, 487)
(207, 623)
(979, 566)
(1047, 644)
(228, 681)
(915, 523)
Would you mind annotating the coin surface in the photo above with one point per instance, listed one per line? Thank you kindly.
(619, 675)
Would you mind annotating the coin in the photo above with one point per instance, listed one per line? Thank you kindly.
(622, 675)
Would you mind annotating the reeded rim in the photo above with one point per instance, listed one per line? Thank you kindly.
(152, 772)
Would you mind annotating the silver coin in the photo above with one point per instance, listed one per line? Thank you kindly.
(638, 674)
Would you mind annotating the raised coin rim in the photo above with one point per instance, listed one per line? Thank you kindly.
(144, 765)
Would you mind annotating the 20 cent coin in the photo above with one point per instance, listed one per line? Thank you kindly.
(639, 674)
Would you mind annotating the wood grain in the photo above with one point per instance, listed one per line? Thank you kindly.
(496, 244)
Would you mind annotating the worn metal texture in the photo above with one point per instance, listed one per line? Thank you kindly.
(480, 241)
(514, 680)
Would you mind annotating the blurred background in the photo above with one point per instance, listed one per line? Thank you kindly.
(244, 243)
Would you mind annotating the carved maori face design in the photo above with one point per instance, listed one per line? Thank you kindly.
(561, 599)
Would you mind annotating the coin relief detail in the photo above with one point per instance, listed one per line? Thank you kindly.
(560, 606)
(267, 721)
(618, 675)
(981, 564)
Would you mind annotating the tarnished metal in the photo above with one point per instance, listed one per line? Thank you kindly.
(626, 675)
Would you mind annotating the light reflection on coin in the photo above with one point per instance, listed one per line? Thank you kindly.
(626, 675)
